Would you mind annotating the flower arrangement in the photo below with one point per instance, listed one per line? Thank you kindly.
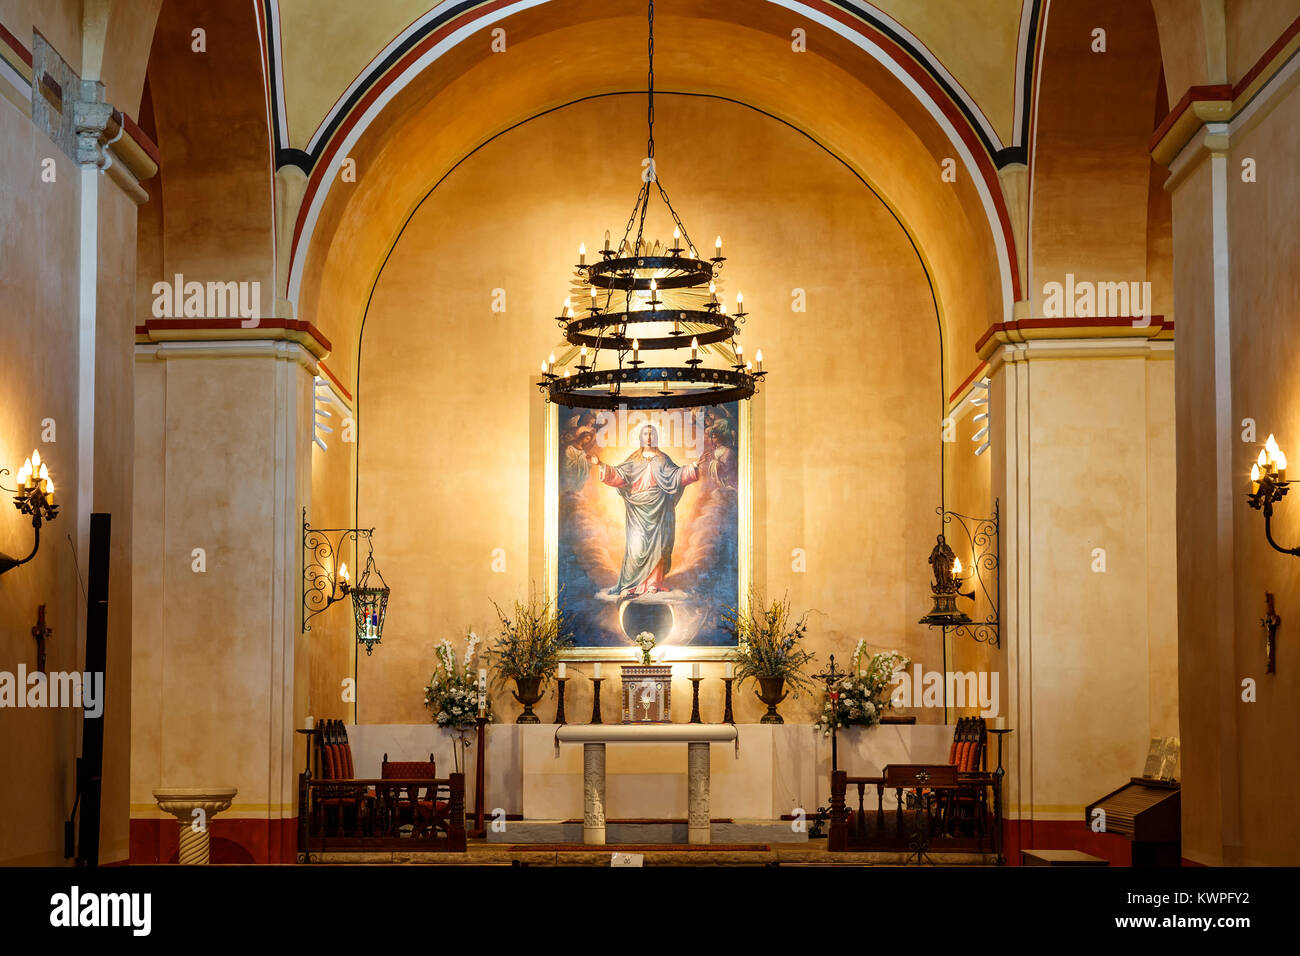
(646, 641)
(532, 635)
(862, 698)
(768, 643)
(452, 692)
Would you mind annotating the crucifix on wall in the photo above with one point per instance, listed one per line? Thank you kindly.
(1270, 622)
(41, 633)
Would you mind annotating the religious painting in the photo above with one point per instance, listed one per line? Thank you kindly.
(648, 528)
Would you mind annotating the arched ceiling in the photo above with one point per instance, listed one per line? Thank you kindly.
(887, 121)
(325, 49)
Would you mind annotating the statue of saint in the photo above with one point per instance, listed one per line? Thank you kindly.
(942, 560)
(650, 484)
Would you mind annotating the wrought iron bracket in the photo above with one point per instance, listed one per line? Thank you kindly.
(986, 554)
(320, 585)
(1271, 490)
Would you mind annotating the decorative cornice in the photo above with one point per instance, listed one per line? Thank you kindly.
(1119, 327)
(160, 331)
(1221, 103)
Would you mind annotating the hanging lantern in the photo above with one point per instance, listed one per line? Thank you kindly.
(370, 605)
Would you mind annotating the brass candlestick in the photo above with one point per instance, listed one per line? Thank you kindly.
(695, 700)
(727, 716)
(595, 700)
(559, 702)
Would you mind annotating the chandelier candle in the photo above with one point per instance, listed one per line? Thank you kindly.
(654, 297)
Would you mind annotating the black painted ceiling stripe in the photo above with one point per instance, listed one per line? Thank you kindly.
(307, 160)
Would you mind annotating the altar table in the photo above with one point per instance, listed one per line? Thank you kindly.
(594, 737)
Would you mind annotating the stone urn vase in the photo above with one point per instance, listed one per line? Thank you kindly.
(528, 693)
(771, 691)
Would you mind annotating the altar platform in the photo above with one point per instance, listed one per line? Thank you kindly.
(759, 783)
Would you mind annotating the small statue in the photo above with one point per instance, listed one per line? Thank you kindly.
(942, 560)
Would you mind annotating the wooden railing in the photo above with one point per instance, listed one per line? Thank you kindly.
(376, 814)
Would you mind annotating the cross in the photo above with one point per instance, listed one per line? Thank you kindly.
(1270, 622)
(41, 632)
(831, 677)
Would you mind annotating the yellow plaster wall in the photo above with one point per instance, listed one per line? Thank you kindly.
(849, 443)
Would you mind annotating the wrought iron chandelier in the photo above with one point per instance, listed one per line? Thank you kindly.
(648, 297)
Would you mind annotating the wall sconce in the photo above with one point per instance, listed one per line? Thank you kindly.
(326, 580)
(34, 496)
(1268, 484)
(982, 535)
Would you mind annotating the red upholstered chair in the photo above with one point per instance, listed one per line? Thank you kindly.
(335, 763)
(969, 755)
(418, 806)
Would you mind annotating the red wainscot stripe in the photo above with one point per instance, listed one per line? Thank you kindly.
(238, 840)
(1020, 835)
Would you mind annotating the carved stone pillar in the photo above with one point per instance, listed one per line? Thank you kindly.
(593, 793)
(181, 802)
(697, 793)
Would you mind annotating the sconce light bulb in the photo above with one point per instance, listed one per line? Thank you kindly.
(956, 565)
(36, 458)
(740, 301)
(717, 244)
(44, 473)
(1270, 446)
(636, 345)
(1262, 460)
(1254, 473)
(49, 491)
(654, 286)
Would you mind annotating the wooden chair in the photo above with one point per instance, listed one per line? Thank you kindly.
(423, 811)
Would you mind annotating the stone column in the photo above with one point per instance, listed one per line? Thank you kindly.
(593, 792)
(181, 802)
(697, 793)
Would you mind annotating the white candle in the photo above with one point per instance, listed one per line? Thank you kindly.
(999, 723)
(595, 671)
(695, 671)
(731, 669)
(561, 670)
(310, 722)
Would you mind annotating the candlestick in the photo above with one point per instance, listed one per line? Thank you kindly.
(695, 697)
(559, 699)
(727, 716)
(595, 700)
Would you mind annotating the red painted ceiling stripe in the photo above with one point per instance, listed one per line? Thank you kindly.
(335, 379)
(357, 111)
(914, 69)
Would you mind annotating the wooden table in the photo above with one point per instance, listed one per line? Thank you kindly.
(697, 738)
